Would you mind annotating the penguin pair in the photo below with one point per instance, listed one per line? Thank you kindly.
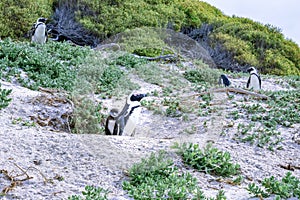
(124, 123)
(39, 31)
(254, 80)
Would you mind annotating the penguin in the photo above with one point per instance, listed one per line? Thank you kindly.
(125, 121)
(39, 34)
(254, 81)
(224, 80)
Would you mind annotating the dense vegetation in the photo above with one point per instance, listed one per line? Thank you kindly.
(232, 41)
(83, 72)
(17, 16)
(158, 177)
(52, 65)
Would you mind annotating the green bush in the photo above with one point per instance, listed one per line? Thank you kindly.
(256, 44)
(288, 187)
(144, 41)
(250, 43)
(129, 61)
(210, 160)
(4, 100)
(241, 50)
(158, 178)
(202, 75)
(17, 16)
(86, 117)
(91, 193)
(52, 65)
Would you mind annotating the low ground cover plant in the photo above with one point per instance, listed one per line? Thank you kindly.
(265, 117)
(4, 97)
(287, 187)
(91, 193)
(157, 177)
(210, 160)
(52, 65)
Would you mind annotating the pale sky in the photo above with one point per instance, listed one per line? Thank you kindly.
(284, 14)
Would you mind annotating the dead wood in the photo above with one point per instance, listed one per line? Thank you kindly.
(235, 90)
(289, 167)
(169, 57)
(16, 182)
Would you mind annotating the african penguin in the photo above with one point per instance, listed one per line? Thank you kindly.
(125, 121)
(39, 34)
(254, 81)
(223, 80)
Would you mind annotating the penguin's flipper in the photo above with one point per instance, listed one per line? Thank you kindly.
(259, 82)
(116, 129)
(107, 123)
(248, 82)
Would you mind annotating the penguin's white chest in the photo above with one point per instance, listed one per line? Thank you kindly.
(39, 34)
(132, 122)
(254, 82)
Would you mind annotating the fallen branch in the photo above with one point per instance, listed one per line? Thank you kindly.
(27, 176)
(48, 90)
(235, 90)
(289, 167)
(172, 57)
(16, 182)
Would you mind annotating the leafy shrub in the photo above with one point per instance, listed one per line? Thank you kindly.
(203, 75)
(4, 100)
(158, 178)
(241, 50)
(280, 65)
(52, 65)
(256, 44)
(109, 79)
(91, 193)
(151, 73)
(129, 61)
(139, 13)
(144, 41)
(86, 117)
(174, 108)
(249, 42)
(210, 160)
(105, 76)
(17, 16)
(288, 187)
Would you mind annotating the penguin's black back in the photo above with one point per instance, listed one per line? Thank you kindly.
(224, 79)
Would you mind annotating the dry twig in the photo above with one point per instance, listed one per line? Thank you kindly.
(16, 182)
(235, 90)
(289, 167)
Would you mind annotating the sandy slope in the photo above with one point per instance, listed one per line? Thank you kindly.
(61, 164)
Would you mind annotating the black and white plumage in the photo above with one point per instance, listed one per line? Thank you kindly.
(224, 80)
(39, 31)
(124, 123)
(254, 80)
